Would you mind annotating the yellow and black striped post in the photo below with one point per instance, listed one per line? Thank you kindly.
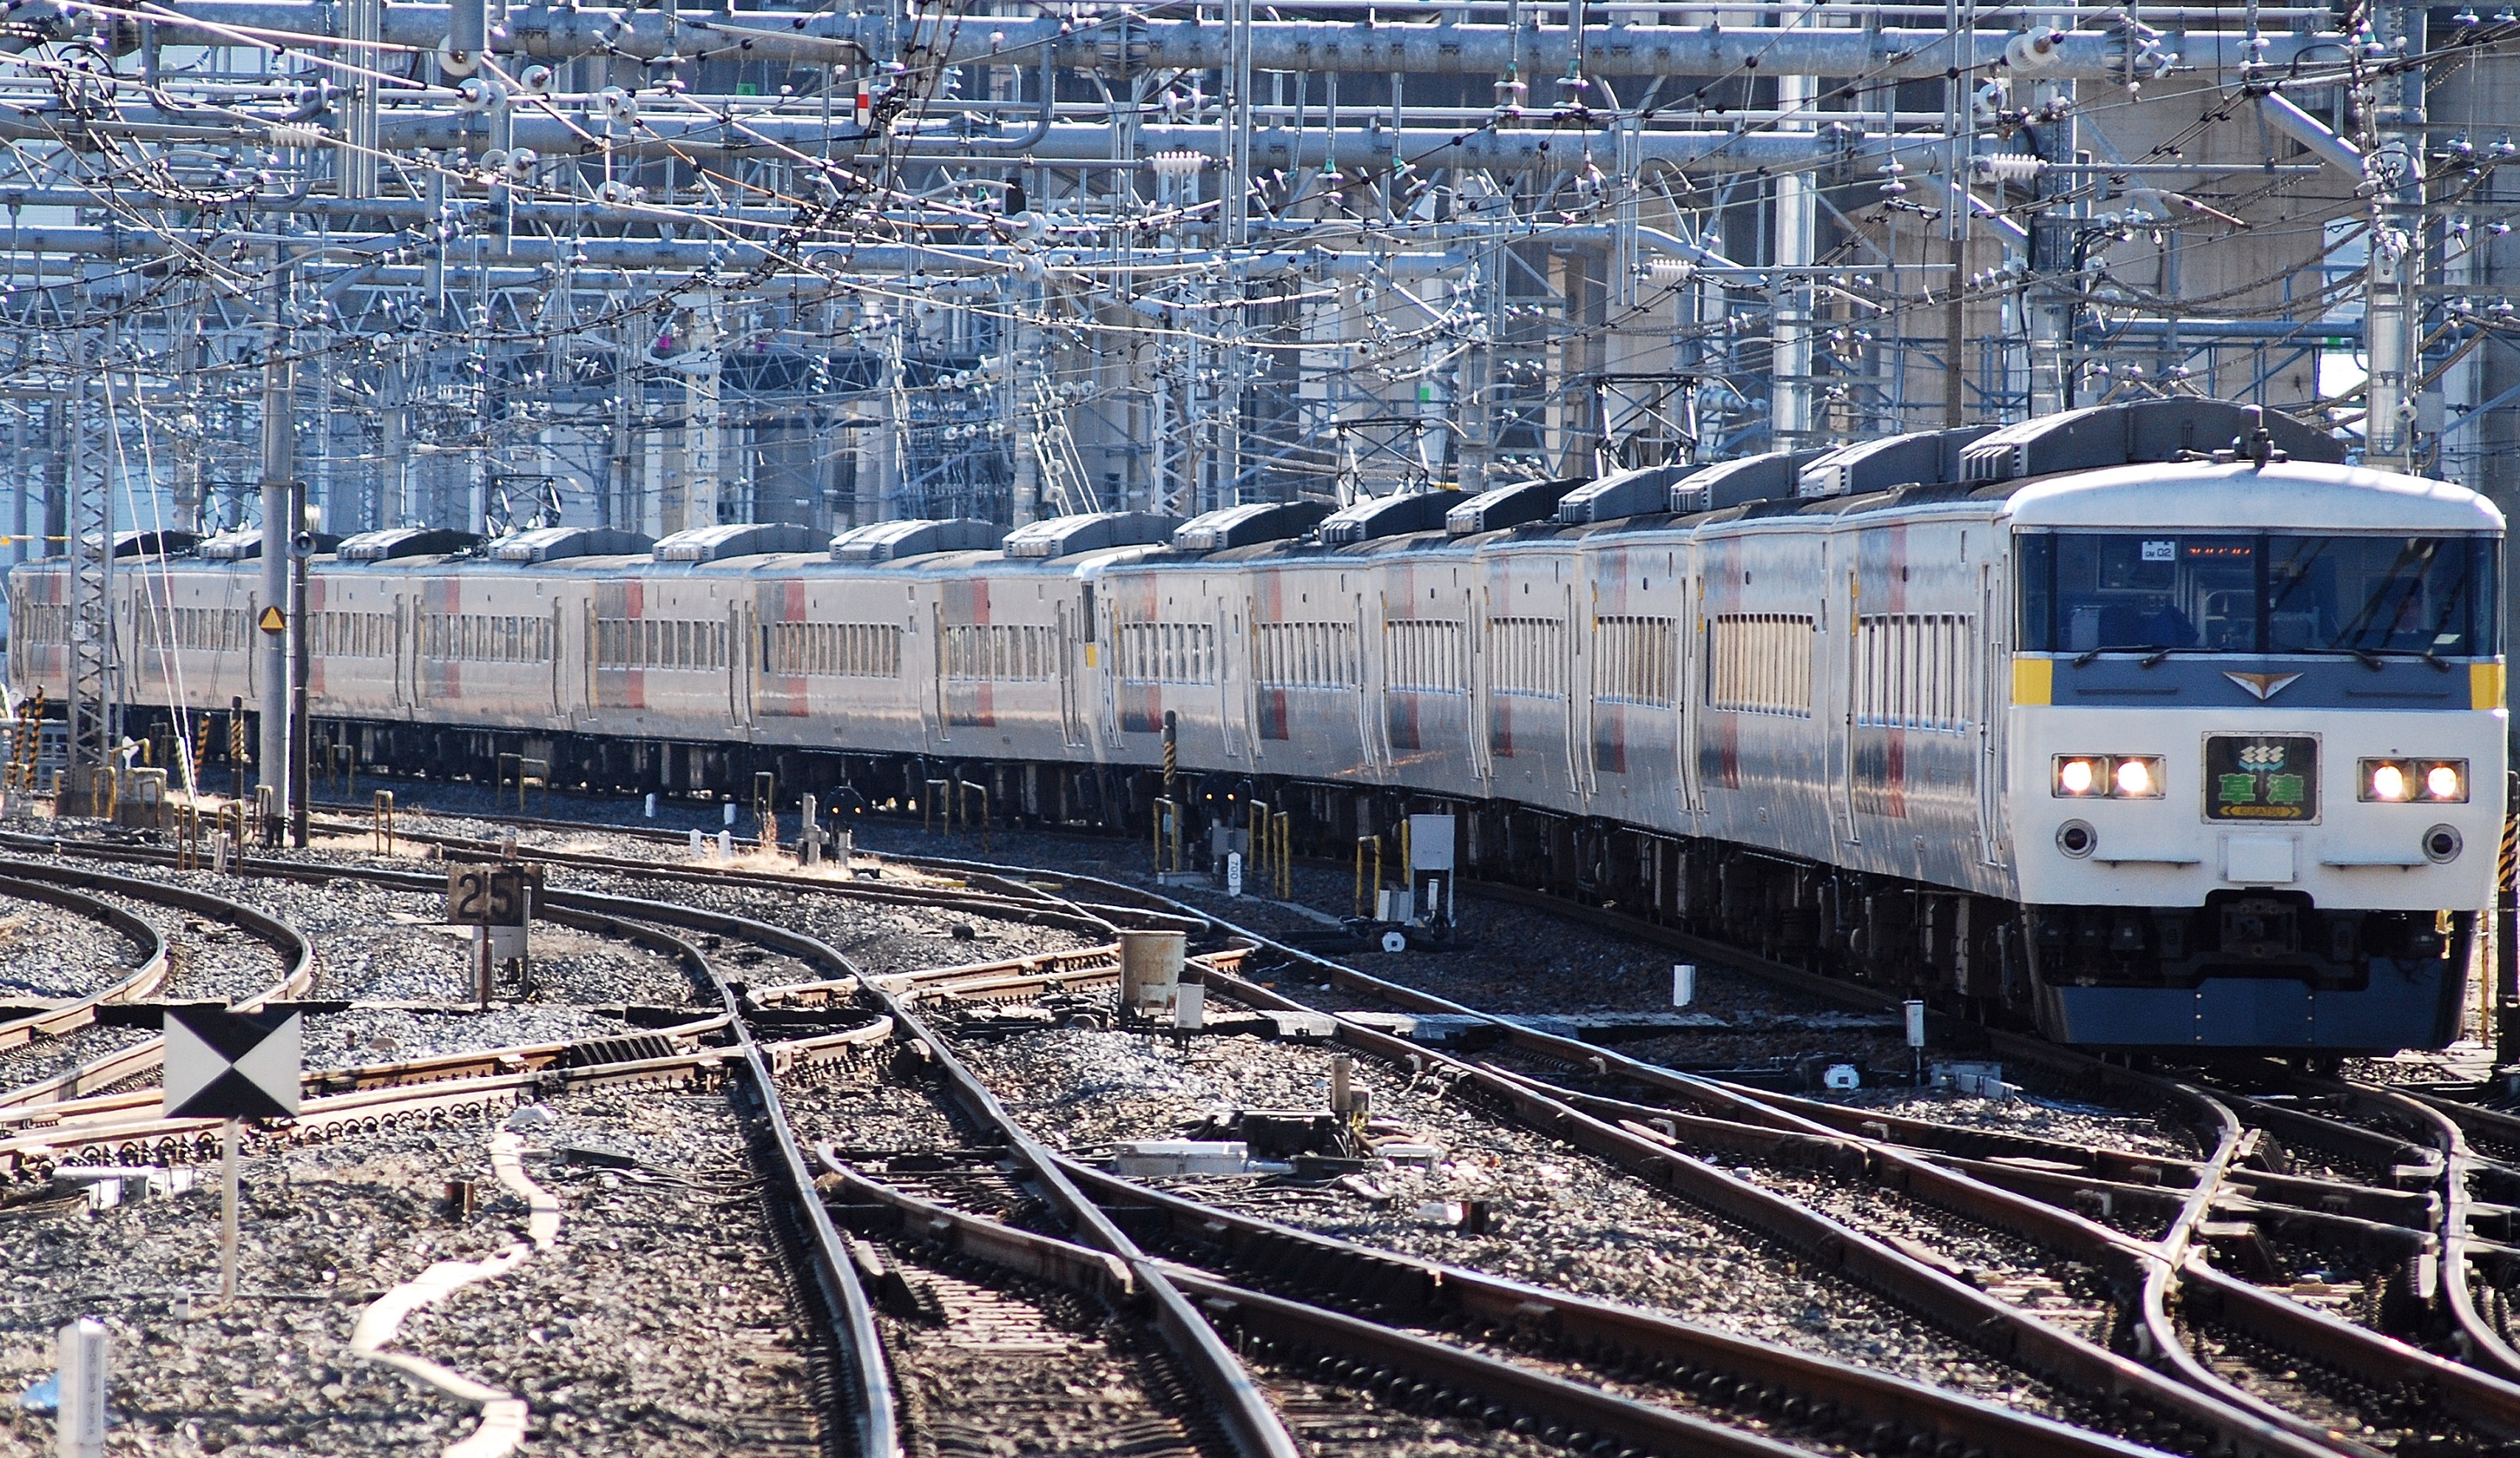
(1172, 751)
(29, 744)
(236, 750)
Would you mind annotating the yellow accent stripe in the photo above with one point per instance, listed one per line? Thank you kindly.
(2033, 681)
(2485, 686)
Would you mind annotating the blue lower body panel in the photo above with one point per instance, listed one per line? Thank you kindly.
(2406, 1005)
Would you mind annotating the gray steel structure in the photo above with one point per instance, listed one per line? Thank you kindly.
(657, 269)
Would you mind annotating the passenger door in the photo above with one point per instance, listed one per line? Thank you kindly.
(1475, 623)
(1071, 669)
(1572, 662)
(738, 659)
(1372, 721)
(1840, 642)
(1228, 693)
(940, 717)
(402, 654)
(1993, 693)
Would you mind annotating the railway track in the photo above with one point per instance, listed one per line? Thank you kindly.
(2259, 1341)
(107, 898)
(2208, 1354)
(480, 1086)
(1926, 1270)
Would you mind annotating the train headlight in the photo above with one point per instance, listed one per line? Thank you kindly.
(2399, 781)
(2109, 776)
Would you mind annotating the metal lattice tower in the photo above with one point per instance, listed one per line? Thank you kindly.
(95, 696)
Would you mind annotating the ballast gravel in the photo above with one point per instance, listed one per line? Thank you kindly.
(2035, 1115)
(49, 952)
(364, 1035)
(47, 1058)
(658, 1325)
(1557, 1218)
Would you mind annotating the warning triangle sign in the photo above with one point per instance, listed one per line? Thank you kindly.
(272, 621)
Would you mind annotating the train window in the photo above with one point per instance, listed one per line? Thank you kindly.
(2381, 595)
(2134, 592)
(1911, 671)
(1632, 661)
(1760, 663)
(1530, 656)
(1423, 655)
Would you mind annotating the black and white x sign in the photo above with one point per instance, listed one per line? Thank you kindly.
(232, 1065)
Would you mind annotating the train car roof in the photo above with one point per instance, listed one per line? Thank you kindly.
(2283, 496)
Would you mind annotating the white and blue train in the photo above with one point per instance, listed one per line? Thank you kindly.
(2152, 724)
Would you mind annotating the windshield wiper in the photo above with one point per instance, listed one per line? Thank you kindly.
(2370, 657)
(2154, 653)
(2364, 657)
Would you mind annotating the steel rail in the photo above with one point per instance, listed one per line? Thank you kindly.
(2159, 1263)
(517, 1058)
(2476, 1396)
(1488, 1386)
(868, 1401)
(2164, 1263)
(1031, 910)
(2446, 1137)
(1435, 1291)
(1244, 1413)
(2213, 1183)
(296, 952)
(34, 1151)
(148, 970)
(2491, 1404)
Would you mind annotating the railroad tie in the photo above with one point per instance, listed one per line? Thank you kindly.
(628, 1048)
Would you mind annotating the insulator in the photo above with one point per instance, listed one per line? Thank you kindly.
(2006, 166)
(2036, 49)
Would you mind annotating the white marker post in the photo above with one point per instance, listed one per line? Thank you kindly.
(651, 805)
(228, 1222)
(1684, 984)
(1234, 874)
(1916, 1010)
(730, 811)
(82, 1349)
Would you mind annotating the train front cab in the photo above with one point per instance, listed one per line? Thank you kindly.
(2256, 768)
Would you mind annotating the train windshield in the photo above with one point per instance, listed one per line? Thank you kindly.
(2226, 592)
